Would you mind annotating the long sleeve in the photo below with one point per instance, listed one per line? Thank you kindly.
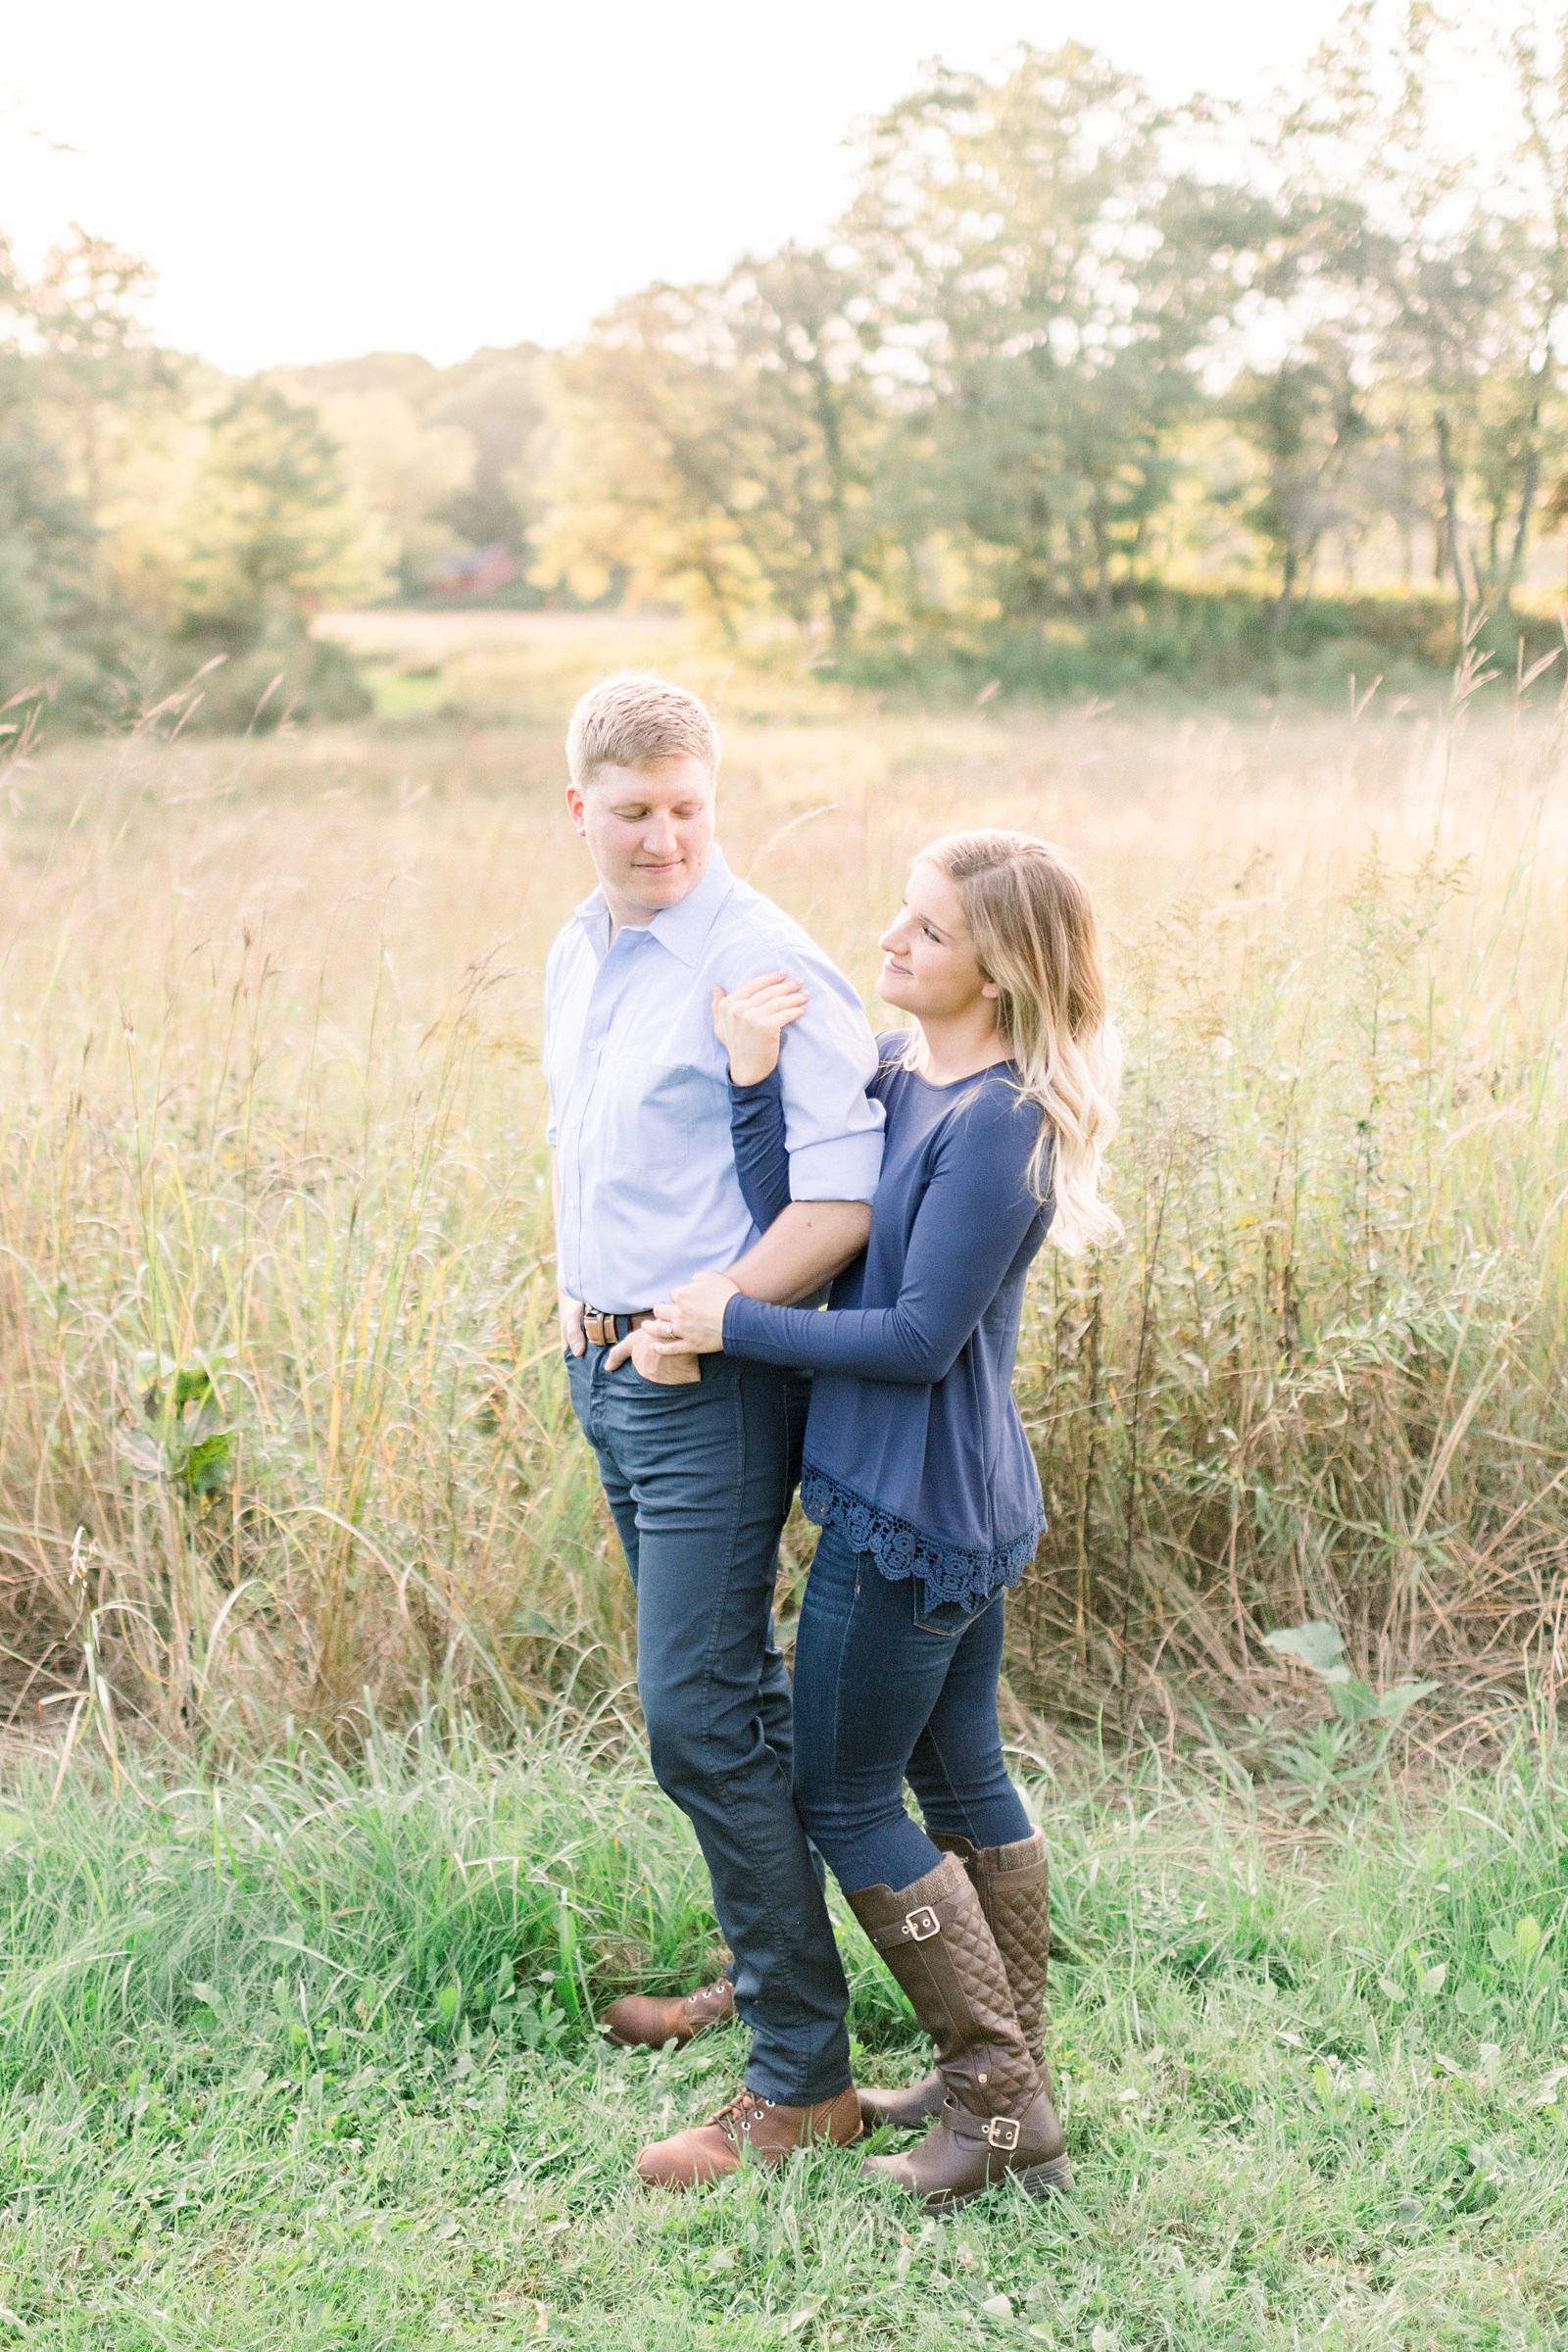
(973, 1218)
(762, 1150)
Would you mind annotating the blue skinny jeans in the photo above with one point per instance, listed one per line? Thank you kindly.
(886, 1692)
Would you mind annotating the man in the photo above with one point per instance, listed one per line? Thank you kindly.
(698, 1471)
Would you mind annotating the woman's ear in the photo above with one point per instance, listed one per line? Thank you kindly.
(989, 988)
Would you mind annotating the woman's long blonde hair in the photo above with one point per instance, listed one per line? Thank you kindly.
(1034, 933)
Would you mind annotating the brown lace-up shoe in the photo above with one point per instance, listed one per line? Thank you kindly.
(708, 2151)
(643, 2022)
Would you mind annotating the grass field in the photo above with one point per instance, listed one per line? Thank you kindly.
(298, 2045)
(304, 2058)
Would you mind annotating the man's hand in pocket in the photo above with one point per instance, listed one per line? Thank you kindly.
(667, 1371)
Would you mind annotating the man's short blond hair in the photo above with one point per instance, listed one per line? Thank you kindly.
(638, 719)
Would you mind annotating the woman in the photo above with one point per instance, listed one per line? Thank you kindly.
(1000, 1100)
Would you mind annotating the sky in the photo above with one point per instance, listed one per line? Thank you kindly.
(321, 178)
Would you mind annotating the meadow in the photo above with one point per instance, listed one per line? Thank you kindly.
(281, 1434)
(325, 1832)
(301, 2057)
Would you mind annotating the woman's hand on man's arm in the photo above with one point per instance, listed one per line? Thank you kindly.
(750, 1021)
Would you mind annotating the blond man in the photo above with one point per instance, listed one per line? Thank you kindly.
(699, 1469)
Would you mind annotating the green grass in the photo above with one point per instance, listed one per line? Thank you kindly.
(304, 2058)
(403, 694)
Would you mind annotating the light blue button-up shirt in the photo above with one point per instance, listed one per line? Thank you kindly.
(639, 1087)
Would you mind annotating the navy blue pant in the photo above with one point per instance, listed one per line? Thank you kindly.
(886, 1691)
(699, 1479)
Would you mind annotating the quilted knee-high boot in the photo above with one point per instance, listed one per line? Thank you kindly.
(997, 2118)
(1013, 1884)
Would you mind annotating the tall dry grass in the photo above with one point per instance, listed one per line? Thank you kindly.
(282, 1435)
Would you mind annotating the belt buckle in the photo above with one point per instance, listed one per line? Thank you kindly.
(1002, 2132)
(920, 1926)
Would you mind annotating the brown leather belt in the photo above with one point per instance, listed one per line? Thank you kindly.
(605, 1330)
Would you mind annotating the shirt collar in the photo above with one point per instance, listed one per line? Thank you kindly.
(682, 928)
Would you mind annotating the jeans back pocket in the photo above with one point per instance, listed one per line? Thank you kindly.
(949, 1618)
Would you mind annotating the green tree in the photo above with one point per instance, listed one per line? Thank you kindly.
(496, 398)
(272, 537)
(98, 366)
(1457, 288)
(46, 536)
(1041, 280)
(719, 442)
(1305, 420)
(1535, 428)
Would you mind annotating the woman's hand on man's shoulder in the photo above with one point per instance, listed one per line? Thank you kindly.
(750, 1021)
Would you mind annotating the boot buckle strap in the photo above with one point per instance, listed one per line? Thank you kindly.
(920, 1926)
(1002, 2132)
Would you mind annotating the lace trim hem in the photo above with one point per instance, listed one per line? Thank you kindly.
(899, 1549)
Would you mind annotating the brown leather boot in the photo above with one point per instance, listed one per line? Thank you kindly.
(915, 2103)
(1013, 1884)
(996, 2118)
(707, 2151)
(643, 2022)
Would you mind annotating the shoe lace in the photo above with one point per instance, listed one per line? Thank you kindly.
(709, 1993)
(746, 2108)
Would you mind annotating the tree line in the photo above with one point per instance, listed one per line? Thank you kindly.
(1074, 361)
(161, 523)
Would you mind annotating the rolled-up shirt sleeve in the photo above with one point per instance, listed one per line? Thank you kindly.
(827, 1060)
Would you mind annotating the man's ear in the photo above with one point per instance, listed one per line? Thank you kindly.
(575, 809)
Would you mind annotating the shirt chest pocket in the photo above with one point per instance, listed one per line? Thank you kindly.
(670, 1112)
(672, 1097)
(675, 1115)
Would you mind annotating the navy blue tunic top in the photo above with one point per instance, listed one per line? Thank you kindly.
(913, 1445)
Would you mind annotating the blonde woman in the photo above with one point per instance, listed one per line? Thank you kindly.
(999, 1099)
